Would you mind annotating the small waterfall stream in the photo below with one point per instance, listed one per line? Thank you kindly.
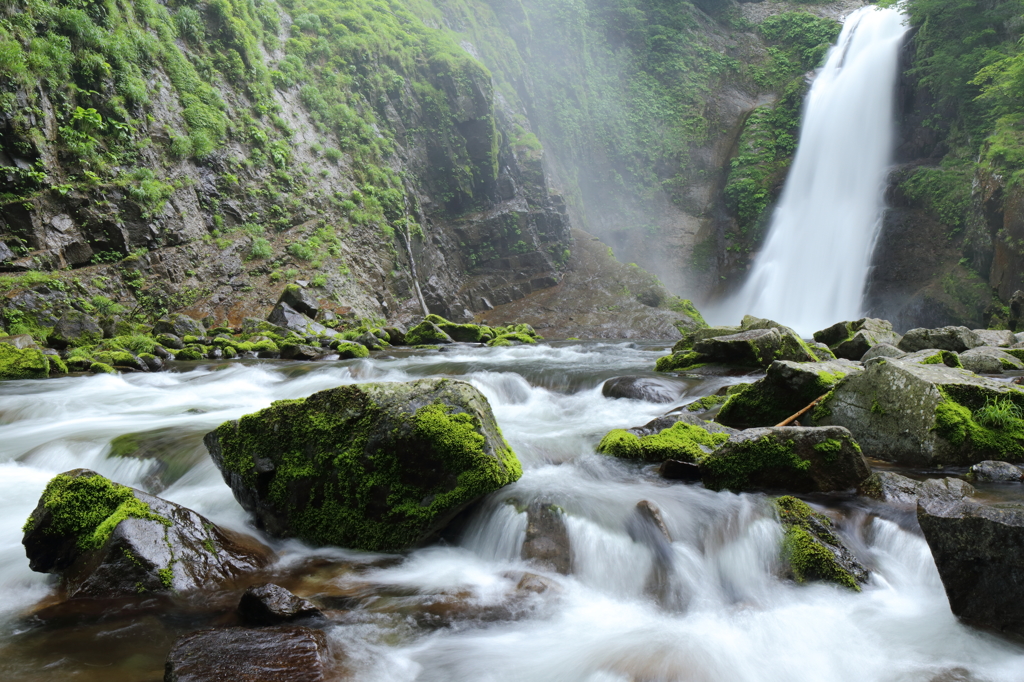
(814, 264)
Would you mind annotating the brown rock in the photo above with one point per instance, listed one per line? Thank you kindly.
(277, 654)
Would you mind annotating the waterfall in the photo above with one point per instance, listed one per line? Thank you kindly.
(814, 264)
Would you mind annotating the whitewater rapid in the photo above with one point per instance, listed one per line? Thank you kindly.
(722, 614)
(814, 264)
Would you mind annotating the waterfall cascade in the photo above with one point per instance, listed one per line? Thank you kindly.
(814, 264)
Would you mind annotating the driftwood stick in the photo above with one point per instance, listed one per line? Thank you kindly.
(790, 420)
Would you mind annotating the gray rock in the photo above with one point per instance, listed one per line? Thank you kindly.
(754, 348)
(989, 360)
(904, 492)
(20, 341)
(5, 253)
(906, 412)
(376, 466)
(270, 604)
(795, 459)
(686, 343)
(75, 328)
(934, 356)
(396, 335)
(369, 340)
(170, 341)
(300, 351)
(882, 350)
(300, 300)
(979, 551)
(286, 317)
(651, 389)
(153, 362)
(287, 653)
(677, 470)
(994, 470)
(1000, 338)
(180, 325)
(851, 340)
(956, 339)
(547, 538)
(157, 546)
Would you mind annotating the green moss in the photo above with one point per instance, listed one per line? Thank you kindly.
(90, 508)
(944, 357)
(511, 339)
(706, 403)
(18, 363)
(166, 576)
(767, 403)
(678, 361)
(802, 545)
(101, 368)
(367, 496)
(765, 456)
(957, 421)
(347, 349)
(190, 353)
(686, 307)
(424, 333)
(57, 366)
(469, 333)
(681, 441)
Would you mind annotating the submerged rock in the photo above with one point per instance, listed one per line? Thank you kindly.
(271, 604)
(811, 551)
(651, 389)
(851, 340)
(276, 654)
(979, 551)
(786, 388)
(957, 339)
(797, 459)
(109, 540)
(993, 470)
(371, 466)
(927, 414)
(547, 538)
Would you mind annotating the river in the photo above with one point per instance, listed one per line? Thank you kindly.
(452, 611)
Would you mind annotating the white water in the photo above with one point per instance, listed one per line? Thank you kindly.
(722, 614)
(814, 264)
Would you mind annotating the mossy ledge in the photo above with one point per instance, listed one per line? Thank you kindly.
(379, 467)
(810, 551)
(681, 441)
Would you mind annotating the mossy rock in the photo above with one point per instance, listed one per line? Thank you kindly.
(512, 339)
(23, 363)
(101, 368)
(682, 441)
(796, 459)
(811, 551)
(75, 329)
(179, 325)
(786, 388)
(107, 540)
(850, 340)
(686, 343)
(426, 333)
(190, 353)
(379, 467)
(347, 350)
(466, 333)
(752, 348)
(927, 415)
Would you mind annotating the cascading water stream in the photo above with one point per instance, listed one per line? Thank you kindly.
(814, 264)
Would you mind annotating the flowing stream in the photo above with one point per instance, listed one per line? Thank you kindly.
(709, 606)
(814, 263)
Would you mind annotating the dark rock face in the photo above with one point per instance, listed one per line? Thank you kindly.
(992, 470)
(75, 329)
(108, 540)
(299, 351)
(957, 339)
(179, 325)
(651, 389)
(547, 539)
(677, 470)
(979, 551)
(851, 340)
(300, 300)
(271, 604)
(796, 459)
(276, 654)
(371, 466)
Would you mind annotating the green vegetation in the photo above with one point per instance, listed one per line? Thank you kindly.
(989, 427)
(681, 441)
(28, 363)
(806, 544)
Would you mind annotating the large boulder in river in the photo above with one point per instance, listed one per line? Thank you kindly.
(795, 459)
(109, 540)
(811, 551)
(377, 467)
(427, 333)
(753, 348)
(996, 471)
(286, 653)
(680, 436)
(900, 491)
(75, 328)
(956, 339)
(786, 388)
(851, 340)
(651, 389)
(927, 414)
(979, 551)
(1000, 338)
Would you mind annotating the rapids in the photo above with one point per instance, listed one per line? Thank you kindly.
(814, 263)
(452, 611)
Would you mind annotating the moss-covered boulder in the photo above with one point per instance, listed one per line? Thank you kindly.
(957, 339)
(850, 340)
(786, 388)
(378, 467)
(811, 551)
(927, 414)
(466, 333)
(686, 343)
(426, 333)
(751, 348)
(989, 360)
(75, 328)
(180, 325)
(934, 356)
(795, 459)
(109, 540)
(685, 440)
(22, 363)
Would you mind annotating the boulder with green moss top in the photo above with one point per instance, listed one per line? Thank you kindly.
(512, 339)
(979, 552)
(101, 368)
(109, 540)
(171, 341)
(957, 339)
(989, 360)
(931, 415)
(466, 333)
(180, 325)
(822, 352)
(300, 351)
(347, 350)
(850, 340)
(75, 328)
(811, 550)
(752, 348)
(377, 467)
(934, 356)
(22, 363)
(685, 440)
(426, 333)
(786, 388)
(686, 343)
(190, 353)
(797, 459)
